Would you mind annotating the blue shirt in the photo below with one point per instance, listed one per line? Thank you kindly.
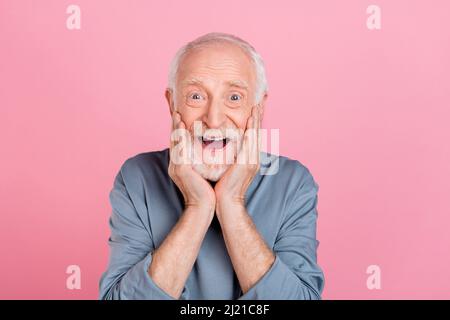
(146, 204)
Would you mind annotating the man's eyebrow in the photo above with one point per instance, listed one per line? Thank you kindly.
(232, 83)
(192, 81)
(238, 83)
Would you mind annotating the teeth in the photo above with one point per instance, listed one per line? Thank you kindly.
(212, 139)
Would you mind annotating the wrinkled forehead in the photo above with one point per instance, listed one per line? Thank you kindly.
(217, 64)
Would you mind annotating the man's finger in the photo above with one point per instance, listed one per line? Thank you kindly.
(174, 124)
(244, 152)
(252, 148)
(176, 118)
(258, 127)
(254, 140)
(179, 140)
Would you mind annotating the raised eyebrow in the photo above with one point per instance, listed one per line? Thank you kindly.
(238, 83)
(192, 81)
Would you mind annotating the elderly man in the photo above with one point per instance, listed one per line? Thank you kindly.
(200, 220)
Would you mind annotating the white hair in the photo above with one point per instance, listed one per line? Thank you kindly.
(216, 37)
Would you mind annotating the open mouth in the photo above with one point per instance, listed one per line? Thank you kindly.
(214, 143)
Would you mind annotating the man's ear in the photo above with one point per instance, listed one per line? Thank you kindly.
(262, 105)
(170, 100)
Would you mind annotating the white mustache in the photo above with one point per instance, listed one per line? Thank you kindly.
(216, 138)
(201, 132)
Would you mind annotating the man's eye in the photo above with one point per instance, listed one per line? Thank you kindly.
(196, 99)
(235, 97)
(196, 96)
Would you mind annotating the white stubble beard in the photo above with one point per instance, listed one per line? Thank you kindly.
(213, 167)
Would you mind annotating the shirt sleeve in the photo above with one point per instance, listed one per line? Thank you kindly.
(131, 248)
(295, 274)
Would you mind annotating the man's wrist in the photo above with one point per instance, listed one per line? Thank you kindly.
(203, 209)
(230, 205)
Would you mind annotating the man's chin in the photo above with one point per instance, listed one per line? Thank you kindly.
(211, 172)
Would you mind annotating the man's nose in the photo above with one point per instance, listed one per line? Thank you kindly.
(215, 116)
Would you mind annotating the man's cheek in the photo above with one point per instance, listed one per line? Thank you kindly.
(245, 120)
(189, 117)
(241, 122)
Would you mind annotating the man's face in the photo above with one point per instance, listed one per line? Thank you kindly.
(214, 94)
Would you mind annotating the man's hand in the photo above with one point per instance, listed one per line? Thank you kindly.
(173, 260)
(250, 255)
(197, 192)
(231, 188)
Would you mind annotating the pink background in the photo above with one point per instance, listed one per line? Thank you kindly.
(366, 111)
